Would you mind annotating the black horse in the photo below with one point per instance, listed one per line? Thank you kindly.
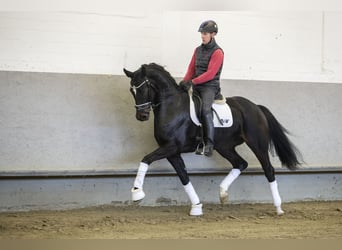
(153, 87)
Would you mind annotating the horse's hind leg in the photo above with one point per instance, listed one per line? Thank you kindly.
(178, 164)
(269, 173)
(261, 152)
(239, 164)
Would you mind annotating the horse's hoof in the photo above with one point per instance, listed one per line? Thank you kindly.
(279, 211)
(137, 194)
(196, 210)
(223, 196)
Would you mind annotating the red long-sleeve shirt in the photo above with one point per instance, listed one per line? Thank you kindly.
(214, 65)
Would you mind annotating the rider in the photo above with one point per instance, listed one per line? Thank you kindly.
(203, 75)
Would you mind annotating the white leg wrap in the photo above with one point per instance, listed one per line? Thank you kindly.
(137, 190)
(233, 174)
(276, 197)
(139, 179)
(196, 208)
(189, 189)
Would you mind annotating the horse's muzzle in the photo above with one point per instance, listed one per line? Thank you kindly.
(143, 115)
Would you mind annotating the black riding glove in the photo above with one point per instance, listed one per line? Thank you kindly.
(185, 85)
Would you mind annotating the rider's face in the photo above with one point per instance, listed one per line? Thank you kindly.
(206, 37)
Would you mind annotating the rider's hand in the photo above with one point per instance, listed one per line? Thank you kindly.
(185, 85)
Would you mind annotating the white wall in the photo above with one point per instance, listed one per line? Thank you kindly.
(78, 42)
(284, 46)
(268, 45)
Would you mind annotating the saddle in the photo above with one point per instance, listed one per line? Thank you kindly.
(222, 115)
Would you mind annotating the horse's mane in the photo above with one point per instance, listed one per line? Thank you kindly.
(163, 74)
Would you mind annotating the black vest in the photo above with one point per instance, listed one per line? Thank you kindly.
(203, 55)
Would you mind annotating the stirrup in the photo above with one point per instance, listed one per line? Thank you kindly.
(200, 148)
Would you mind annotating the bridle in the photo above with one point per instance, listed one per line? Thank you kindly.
(148, 104)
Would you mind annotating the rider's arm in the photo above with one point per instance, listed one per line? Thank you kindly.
(191, 68)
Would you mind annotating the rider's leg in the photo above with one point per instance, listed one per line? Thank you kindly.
(207, 94)
(208, 129)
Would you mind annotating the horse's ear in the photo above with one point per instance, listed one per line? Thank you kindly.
(128, 73)
(143, 70)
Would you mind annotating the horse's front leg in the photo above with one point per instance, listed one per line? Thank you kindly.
(137, 191)
(178, 164)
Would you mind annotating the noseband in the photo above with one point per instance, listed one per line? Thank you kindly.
(146, 105)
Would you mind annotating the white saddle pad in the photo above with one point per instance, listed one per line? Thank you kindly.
(222, 116)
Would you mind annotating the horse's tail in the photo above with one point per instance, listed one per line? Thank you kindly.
(284, 148)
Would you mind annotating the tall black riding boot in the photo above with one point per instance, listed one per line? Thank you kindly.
(208, 129)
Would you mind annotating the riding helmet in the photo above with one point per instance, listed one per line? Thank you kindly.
(208, 26)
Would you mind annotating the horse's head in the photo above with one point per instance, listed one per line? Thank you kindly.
(140, 87)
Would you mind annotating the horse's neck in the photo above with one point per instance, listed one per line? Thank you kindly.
(164, 88)
(169, 95)
(172, 102)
